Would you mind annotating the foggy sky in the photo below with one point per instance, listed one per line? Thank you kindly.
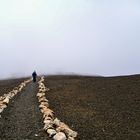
(69, 36)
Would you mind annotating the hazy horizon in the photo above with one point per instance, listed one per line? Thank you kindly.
(77, 36)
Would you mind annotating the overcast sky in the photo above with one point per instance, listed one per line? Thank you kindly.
(69, 36)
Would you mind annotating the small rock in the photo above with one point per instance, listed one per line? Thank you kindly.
(36, 135)
(72, 134)
(56, 122)
(51, 132)
(60, 136)
(70, 138)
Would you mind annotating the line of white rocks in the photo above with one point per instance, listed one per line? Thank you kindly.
(4, 100)
(53, 126)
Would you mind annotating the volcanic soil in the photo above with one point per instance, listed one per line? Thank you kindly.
(98, 108)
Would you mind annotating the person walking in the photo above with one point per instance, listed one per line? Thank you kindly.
(34, 75)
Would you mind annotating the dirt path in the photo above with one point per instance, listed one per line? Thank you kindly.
(22, 119)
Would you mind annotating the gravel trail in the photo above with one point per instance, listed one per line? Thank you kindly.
(22, 118)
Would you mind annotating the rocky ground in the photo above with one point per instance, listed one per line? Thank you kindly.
(7, 85)
(98, 108)
(22, 119)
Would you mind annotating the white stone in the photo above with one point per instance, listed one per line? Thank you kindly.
(6, 100)
(56, 121)
(51, 132)
(47, 122)
(60, 136)
(36, 135)
(72, 134)
(70, 138)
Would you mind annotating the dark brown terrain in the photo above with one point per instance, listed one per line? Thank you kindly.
(98, 108)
